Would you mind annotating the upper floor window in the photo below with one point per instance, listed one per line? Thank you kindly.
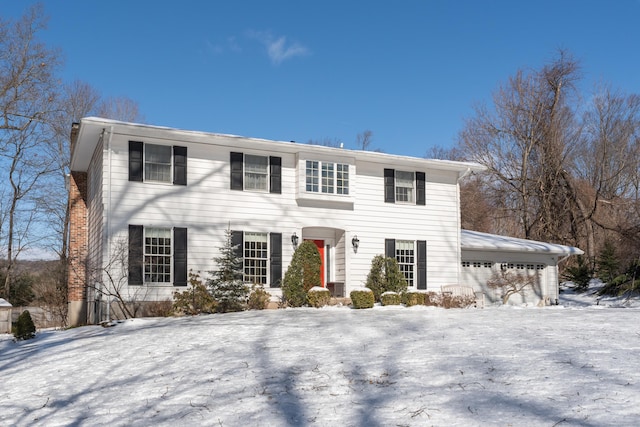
(404, 187)
(256, 173)
(157, 163)
(327, 177)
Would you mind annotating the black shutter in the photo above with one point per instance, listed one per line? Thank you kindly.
(276, 259)
(236, 171)
(275, 174)
(180, 165)
(390, 248)
(420, 193)
(135, 255)
(135, 160)
(422, 264)
(237, 242)
(389, 186)
(179, 256)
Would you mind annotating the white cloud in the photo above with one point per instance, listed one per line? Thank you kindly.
(277, 47)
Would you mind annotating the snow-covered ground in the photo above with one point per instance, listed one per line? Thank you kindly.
(576, 364)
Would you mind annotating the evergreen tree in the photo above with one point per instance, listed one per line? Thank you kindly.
(385, 276)
(226, 283)
(303, 274)
(608, 263)
(25, 328)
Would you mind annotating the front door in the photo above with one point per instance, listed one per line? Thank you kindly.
(320, 246)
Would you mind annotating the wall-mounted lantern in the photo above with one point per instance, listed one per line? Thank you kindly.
(355, 242)
(294, 240)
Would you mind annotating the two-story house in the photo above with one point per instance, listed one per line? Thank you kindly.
(150, 203)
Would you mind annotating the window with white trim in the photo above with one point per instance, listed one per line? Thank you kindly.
(255, 258)
(157, 162)
(326, 177)
(405, 255)
(256, 172)
(404, 187)
(157, 255)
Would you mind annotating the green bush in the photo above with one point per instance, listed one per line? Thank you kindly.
(362, 298)
(303, 274)
(390, 298)
(318, 297)
(24, 328)
(580, 274)
(258, 298)
(413, 298)
(385, 276)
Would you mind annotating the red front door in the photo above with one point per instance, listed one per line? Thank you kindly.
(320, 246)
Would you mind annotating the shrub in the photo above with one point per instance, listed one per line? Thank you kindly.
(195, 300)
(413, 298)
(303, 274)
(362, 298)
(258, 298)
(162, 308)
(226, 283)
(458, 301)
(318, 297)
(24, 328)
(433, 299)
(385, 276)
(390, 298)
(580, 274)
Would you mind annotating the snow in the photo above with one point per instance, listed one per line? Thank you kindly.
(570, 365)
(484, 241)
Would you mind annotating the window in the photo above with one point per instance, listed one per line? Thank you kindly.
(312, 176)
(404, 187)
(157, 255)
(466, 264)
(256, 173)
(405, 255)
(412, 259)
(255, 258)
(326, 177)
(342, 179)
(159, 163)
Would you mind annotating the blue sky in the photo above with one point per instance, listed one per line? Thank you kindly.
(409, 71)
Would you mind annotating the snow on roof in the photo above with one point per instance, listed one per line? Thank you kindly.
(475, 240)
(4, 303)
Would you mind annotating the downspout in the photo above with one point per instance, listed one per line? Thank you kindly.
(108, 210)
(459, 220)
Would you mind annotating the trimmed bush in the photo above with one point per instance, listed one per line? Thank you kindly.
(413, 298)
(318, 297)
(390, 298)
(362, 298)
(385, 276)
(258, 298)
(24, 328)
(303, 274)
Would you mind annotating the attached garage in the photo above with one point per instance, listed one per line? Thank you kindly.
(485, 255)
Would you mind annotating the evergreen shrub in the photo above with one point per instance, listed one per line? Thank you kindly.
(24, 328)
(318, 296)
(226, 283)
(390, 298)
(303, 274)
(385, 276)
(362, 298)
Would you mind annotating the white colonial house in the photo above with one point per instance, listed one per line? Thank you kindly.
(149, 204)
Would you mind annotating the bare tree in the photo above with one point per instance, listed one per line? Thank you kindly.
(27, 98)
(327, 142)
(364, 139)
(509, 283)
(526, 141)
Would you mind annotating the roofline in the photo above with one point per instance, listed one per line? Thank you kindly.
(521, 245)
(90, 129)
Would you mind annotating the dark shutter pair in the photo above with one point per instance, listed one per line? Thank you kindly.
(275, 254)
(421, 257)
(237, 173)
(136, 169)
(390, 187)
(136, 255)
